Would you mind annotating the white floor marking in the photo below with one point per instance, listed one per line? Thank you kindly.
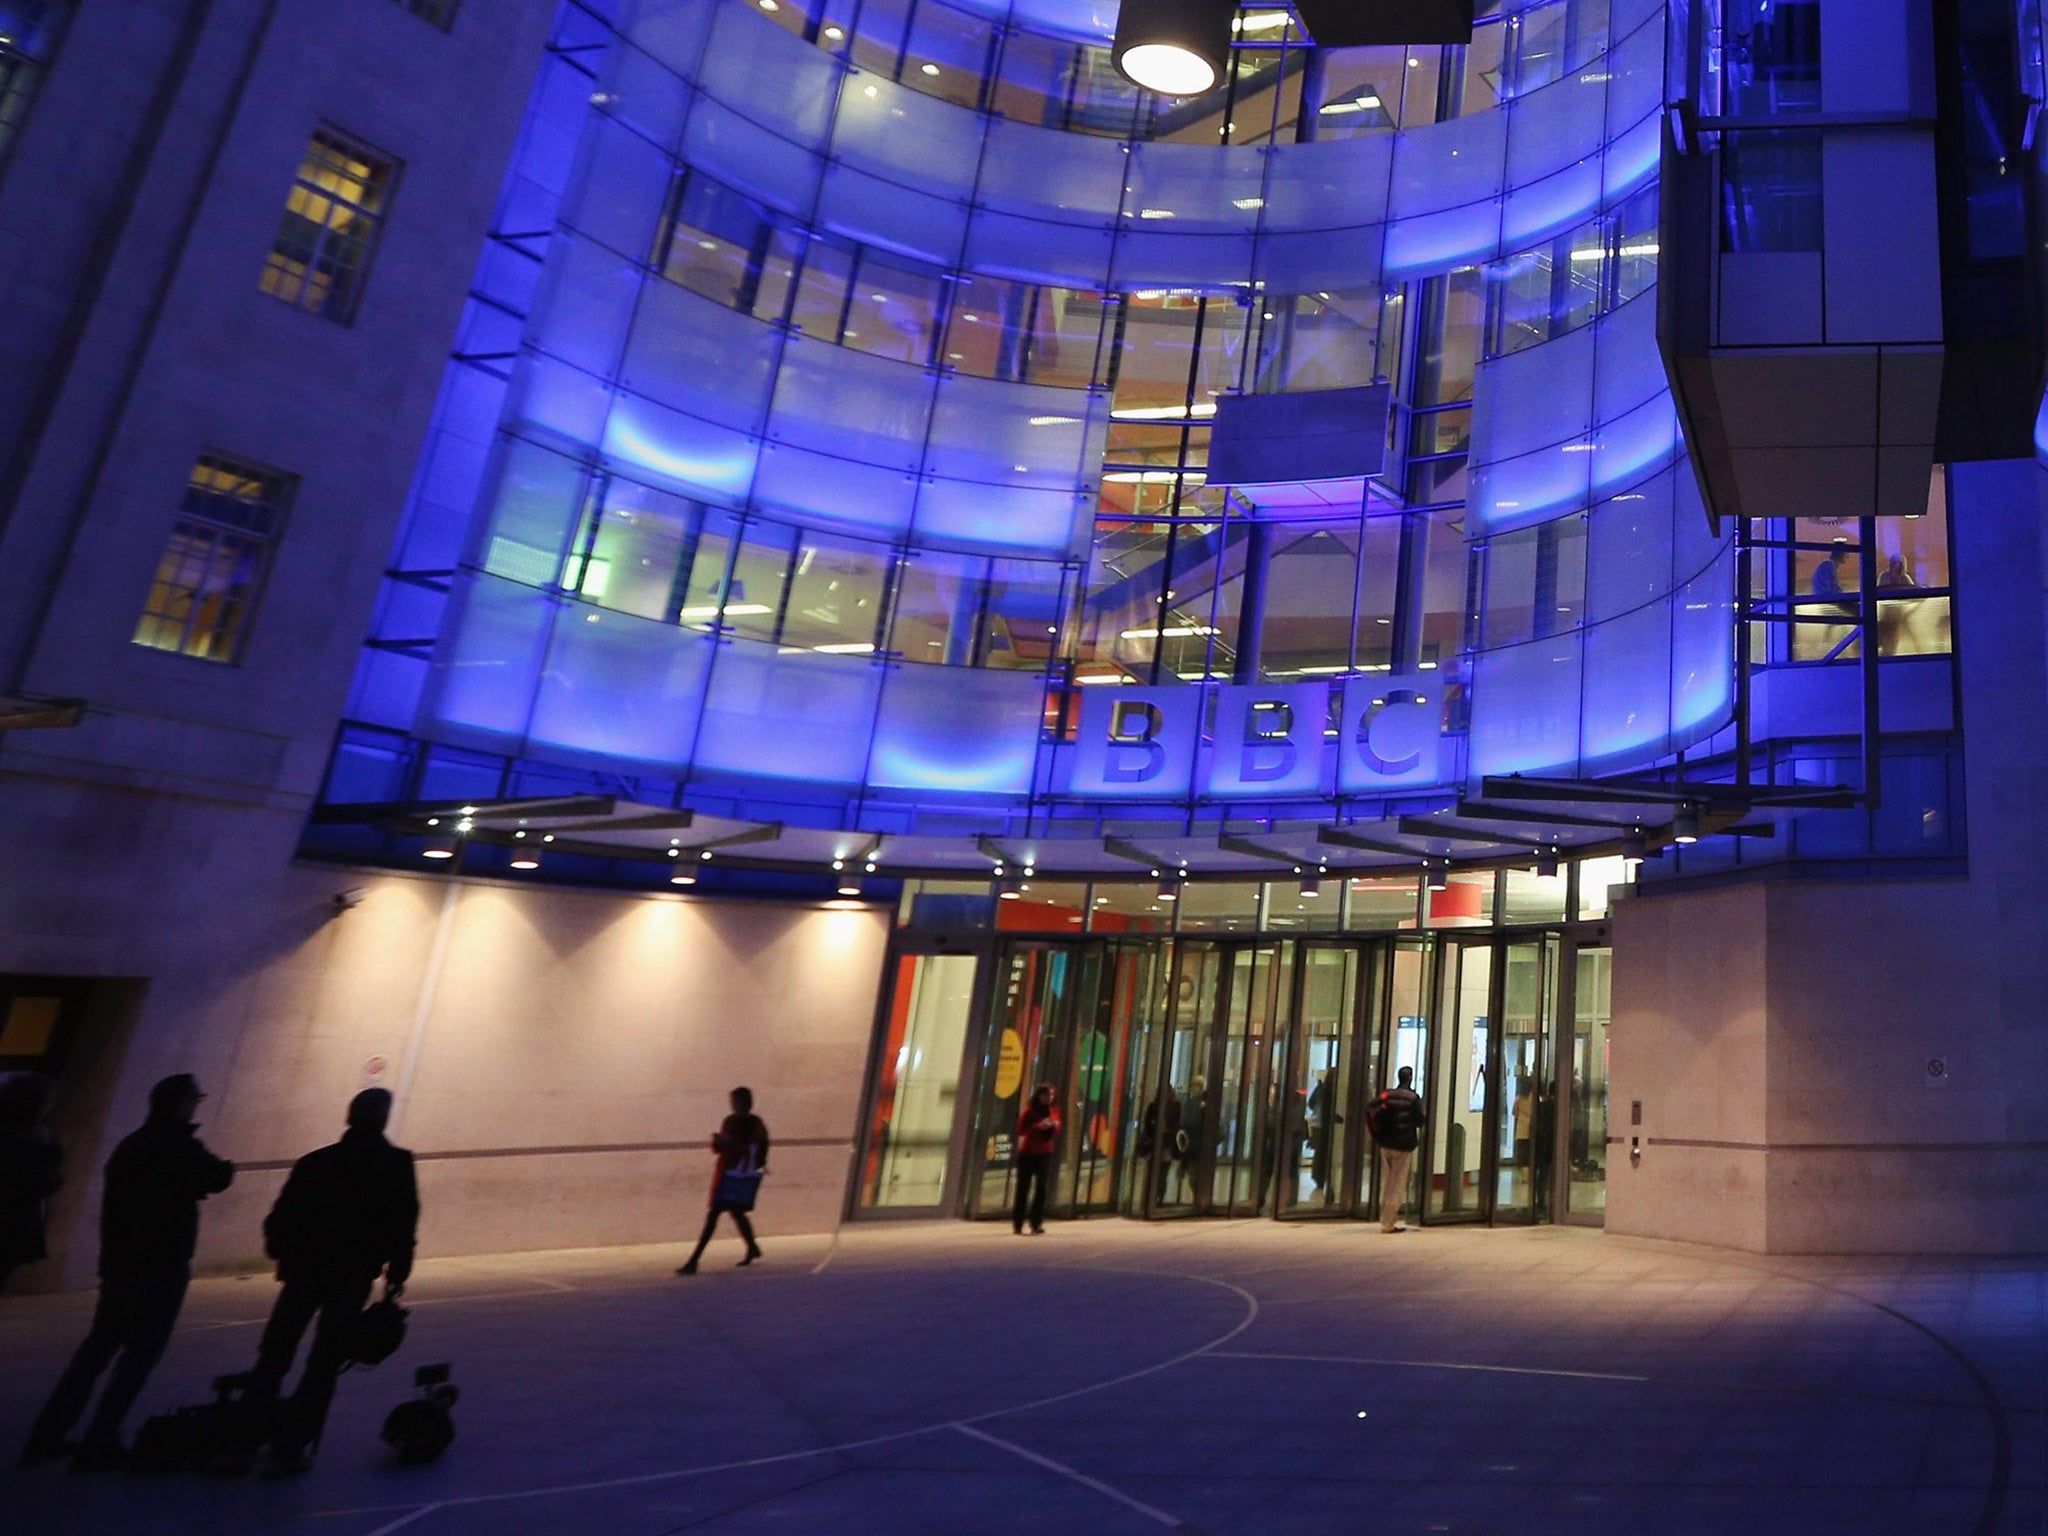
(1073, 1475)
(643, 1479)
(1424, 1365)
(404, 1520)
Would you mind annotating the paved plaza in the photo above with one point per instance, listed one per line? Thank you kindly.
(1224, 1379)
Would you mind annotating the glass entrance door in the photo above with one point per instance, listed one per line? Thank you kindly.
(1113, 1043)
(1583, 1155)
(1492, 1110)
(912, 1143)
(1458, 1102)
(1184, 1147)
(1332, 1058)
(1251, 1155)
(1522, 1083)
(1031, 1024)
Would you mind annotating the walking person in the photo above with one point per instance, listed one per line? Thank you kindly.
(347, 1213)
(1396, 1125)
(149, 1226)
(742, 1148)
(1038, 1138)
(31, 1168)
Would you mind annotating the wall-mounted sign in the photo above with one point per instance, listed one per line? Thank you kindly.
(1265, 741)
(1137, 743)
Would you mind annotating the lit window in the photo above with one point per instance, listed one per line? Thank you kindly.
(440, 12)
(213, 565)
(337, 204)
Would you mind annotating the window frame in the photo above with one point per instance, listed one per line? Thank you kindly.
(280, 490)
(344, 144)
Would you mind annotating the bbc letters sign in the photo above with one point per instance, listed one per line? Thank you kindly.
(1267, 741)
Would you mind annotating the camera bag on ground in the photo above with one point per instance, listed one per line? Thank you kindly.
(224, 1433)
(421, 1428)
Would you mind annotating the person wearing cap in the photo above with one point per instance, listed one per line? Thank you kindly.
(149, 1226)
(348, 1213)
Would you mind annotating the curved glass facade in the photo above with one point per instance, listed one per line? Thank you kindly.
(830, 436)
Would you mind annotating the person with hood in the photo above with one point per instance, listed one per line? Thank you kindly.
(31, 1168)
(348, 1213)
(149, 1226)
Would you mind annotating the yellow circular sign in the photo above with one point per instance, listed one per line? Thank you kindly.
(1009, 1065)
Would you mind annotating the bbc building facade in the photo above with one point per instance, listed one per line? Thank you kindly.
(561, 557)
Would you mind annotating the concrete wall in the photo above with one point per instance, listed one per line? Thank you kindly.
(1780, 1035)
(561, 1057)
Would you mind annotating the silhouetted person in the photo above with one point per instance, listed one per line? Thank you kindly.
(31, 1168)
(742, 1148)
(1038, 1140)
(1323, 1120)
(1194, 1156)
(1396, 1124)
(149, 1225)
(1827, 576)
(348, 1213)
(1159, 1139)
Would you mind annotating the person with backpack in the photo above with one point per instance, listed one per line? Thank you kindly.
(1396, 1125)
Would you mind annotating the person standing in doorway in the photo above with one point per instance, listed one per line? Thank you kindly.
(1038, 1139)
(1396, 1124)
(742, 1148)
(348, 1213)
(149, 1226)
(31, 1168)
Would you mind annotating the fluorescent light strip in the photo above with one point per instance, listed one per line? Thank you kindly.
(1163, 412)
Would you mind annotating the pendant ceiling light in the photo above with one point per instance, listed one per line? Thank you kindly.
(1174, 47)
(1180, 47)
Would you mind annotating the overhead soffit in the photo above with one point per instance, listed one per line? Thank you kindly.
(1507, 826)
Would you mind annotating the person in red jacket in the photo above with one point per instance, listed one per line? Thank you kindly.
(1038, 1138)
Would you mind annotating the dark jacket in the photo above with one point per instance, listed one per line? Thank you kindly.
(1396, 1120)
(31, 1168)
(347, 1212)
(149, 1217)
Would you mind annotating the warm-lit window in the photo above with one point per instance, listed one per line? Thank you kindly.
(440, 12)
(337, 205)
(213, 565)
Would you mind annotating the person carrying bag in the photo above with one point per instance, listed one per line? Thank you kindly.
(742, 1149)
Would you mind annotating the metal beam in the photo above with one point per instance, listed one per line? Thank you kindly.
(1244, 847)
(1424, 826)
(549, 807)
(1117, 848)
(1483, 810)
(1340, 838)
